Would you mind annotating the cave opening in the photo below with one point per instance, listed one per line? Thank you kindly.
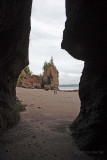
(45, 42)
(43, 131)
(51, 112)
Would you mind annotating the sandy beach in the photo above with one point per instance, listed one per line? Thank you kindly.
(43, 131)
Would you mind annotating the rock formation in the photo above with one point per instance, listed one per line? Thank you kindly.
(14, 42)
(30, 81)
(50, 78)
(85, 39)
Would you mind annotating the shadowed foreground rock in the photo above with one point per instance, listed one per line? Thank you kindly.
(85, 39)
(14, 42)
(89, 128)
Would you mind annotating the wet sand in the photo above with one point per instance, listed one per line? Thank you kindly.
(43, 131)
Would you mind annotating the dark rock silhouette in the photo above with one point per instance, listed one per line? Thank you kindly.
(14, 43)
(50, 78)
(85, 39)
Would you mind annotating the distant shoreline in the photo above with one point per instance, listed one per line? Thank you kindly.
(74, 90)
(69, 87)
(68, 90)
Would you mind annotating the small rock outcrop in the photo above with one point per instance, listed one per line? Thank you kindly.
(50, 78)
(30, 81)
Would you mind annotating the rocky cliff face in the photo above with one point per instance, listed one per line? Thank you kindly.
(85, 39)
(14, 43)
(85, 29)
(50, 78)
(30, 81)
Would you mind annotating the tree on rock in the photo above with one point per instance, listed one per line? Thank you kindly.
(48, 64)
(27, 70)
(50, 76)
(51, 61)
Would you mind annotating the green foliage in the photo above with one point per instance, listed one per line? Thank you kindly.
(48, 64)
(21, 78)
(51, 61)
(41, 75)
(27, 70)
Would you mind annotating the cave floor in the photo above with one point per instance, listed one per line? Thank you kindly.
(43, 131)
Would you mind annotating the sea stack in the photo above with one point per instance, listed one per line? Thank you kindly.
(50, 78)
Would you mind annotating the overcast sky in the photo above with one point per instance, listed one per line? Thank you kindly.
(48, 20)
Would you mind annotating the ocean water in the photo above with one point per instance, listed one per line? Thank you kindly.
(69, 87)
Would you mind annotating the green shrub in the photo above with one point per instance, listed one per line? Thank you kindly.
(21, 78)
(41, 75)
(48, 64)
(27, 70)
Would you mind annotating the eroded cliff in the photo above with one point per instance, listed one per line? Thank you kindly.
(29, 81)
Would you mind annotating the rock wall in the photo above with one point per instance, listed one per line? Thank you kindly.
(89, 128)
(14, 43)
(50, 78)
(85, 39)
